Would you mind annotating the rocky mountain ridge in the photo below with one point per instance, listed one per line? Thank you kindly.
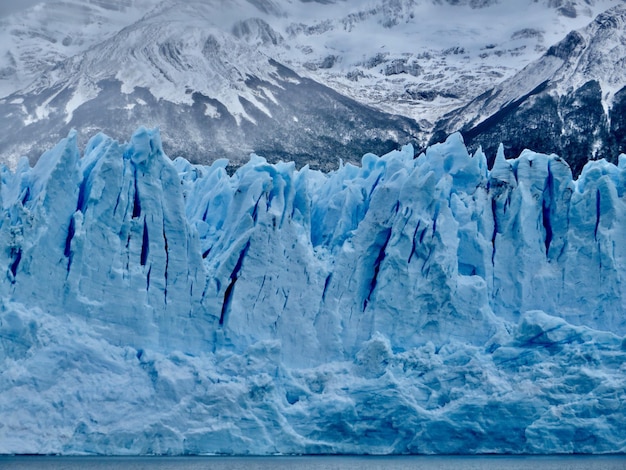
(572, 101)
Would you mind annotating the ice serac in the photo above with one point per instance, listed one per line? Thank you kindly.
(106, 237)
(407, 305)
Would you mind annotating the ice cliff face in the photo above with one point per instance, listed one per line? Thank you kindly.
(421, 305)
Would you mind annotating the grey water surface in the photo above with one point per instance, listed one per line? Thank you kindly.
(316, 462)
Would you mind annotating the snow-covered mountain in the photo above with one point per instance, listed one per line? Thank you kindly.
(212, 95)
(218, 77)
(176, 69)
(421, 58)
(572, 101)
(39, 38)
(422, 305)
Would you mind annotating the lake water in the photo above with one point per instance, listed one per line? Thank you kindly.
(315, 463)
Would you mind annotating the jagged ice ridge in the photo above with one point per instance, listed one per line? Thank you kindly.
(425, 305)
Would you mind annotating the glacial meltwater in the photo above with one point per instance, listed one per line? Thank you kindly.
(318, 463)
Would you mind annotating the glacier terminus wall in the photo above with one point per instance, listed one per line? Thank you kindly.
(409, 305)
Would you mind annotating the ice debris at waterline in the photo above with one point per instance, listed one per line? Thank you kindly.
(420, 305)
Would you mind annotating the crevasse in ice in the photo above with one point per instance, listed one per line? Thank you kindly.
(409, 305)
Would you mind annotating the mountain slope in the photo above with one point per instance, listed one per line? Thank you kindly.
(570, 102)
(422, 58)
(212, 95)
(41, 37)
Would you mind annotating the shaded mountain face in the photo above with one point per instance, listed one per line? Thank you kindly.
(574, 126)
(571, 102)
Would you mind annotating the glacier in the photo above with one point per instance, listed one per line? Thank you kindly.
(423, 305)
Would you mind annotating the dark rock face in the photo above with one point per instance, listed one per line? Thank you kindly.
(585, 132)
(541, 128)
(618, 121)
(574, 126)
(398, 66)
(256, 29)
(566, 48)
